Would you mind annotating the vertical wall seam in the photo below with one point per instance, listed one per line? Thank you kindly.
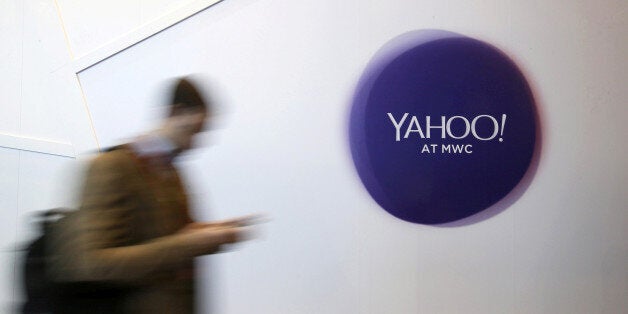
(65, 32)
(89, 114)
(76, 75)
(19, 161)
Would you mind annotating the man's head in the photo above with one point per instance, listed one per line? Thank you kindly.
(187, 114)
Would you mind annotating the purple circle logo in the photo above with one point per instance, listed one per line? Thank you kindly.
(442, 127)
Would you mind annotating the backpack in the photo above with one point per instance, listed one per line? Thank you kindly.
(45, 295)
(38, 286)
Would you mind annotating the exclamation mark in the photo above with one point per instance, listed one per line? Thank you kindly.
(501, 132)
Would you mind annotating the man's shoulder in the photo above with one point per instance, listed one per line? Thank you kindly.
(118, 157)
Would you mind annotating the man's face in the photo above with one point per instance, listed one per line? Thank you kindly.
(185, 124)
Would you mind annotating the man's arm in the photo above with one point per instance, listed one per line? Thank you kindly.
(104, 228)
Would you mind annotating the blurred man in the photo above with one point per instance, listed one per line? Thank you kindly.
(133, 233)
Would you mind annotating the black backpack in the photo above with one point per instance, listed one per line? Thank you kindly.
(45, 295)
(38, 286)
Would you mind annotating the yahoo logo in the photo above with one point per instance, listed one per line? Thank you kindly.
(442, 126)
(445, 128)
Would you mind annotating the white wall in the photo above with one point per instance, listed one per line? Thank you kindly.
(285, 72)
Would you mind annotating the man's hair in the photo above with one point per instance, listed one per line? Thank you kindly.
(185, 95)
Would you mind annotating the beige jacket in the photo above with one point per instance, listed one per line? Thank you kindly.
(125, 232)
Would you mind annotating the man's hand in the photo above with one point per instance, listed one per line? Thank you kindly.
(208, 238)
(243, 221)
